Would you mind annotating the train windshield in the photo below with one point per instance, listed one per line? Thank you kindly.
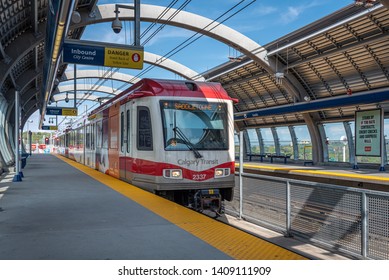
(194, 126)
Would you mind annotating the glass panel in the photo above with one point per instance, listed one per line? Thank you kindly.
(268, 141)
(87, 136)
(128, 131)
(122, 132)
(99, 134)
(113, 132)
(237, 147)
(92, 136)
(105, 133)
(254, 143)
(386, 137)
(144, 129)
(286, 145)
(336, 142)
(304, 142)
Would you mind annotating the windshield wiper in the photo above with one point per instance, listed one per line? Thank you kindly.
(187, 142)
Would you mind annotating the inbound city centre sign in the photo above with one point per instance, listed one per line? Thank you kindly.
(102, 54)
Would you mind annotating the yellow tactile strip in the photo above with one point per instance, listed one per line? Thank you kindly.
(318, 172)
(234, 242)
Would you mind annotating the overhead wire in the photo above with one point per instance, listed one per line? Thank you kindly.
(158, 18)
(103, 78)
(176, 12)
(192, 38)
(197, 35)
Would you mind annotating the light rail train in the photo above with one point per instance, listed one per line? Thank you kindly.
(173, 138)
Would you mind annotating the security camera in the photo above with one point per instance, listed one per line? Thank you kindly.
(117, 26)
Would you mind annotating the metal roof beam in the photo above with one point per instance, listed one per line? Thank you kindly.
(368, 97)
(34, 16)
(3, 55)
(328, 28)
(385, 3)
(381, 37)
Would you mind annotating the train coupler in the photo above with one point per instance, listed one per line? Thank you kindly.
(210, 200)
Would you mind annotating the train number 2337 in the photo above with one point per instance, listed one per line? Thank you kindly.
(199, 177)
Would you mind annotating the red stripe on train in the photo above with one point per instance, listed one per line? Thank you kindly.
(153, 168)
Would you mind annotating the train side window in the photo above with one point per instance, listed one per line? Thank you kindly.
(87, 136)
(99, 134)
(105, 133)
(122, 132)
(92, 140)
(114, 132)
(145, 140)
(128, 130)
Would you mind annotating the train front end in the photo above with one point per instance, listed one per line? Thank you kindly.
(197, 151)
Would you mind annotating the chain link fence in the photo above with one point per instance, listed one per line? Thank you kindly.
(342, 219)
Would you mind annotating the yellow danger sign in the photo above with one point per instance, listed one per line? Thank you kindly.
(123, 58)
(69, 112)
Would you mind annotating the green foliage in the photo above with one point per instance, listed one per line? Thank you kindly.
(36, 137)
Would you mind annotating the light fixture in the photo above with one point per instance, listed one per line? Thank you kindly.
(369, 3)
(279, 77)
(307, 98)
(234, 59)
(76, 17)
(365, 3)
(358, 3)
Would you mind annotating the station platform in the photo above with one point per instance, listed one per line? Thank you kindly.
(64, 210)
(343, 175)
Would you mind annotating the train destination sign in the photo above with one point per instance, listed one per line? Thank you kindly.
(102, 54)
(60, 111)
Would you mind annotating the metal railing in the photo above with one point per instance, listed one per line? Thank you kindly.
(342, 219)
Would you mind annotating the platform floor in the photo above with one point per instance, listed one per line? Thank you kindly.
(368, 178)
(63, 210)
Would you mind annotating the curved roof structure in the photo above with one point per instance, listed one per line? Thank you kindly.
(149, 58)
(323, 72)
(343, 54)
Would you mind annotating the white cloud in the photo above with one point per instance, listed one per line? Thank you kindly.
(169, 33)
(113, 38)
(293, 12)
(265, 10)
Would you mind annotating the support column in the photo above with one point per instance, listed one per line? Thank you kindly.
(294, 142)
(276, 141)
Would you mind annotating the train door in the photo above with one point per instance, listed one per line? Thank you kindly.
(93, 146)
(99, 159)
(90, 145)
(126, 152)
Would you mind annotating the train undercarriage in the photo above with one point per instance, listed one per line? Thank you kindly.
(210, 200)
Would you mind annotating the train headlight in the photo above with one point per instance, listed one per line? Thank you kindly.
(219, 172)
(222, 172)
(172, 173)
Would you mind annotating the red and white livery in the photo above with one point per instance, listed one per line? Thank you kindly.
(174, 138)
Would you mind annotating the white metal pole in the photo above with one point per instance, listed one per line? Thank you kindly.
(382, 167)
(240, 174)
(17, 177)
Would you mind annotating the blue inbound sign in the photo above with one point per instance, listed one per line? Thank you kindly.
(80, 54)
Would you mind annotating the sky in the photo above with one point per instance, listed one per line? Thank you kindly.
(261, 21)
